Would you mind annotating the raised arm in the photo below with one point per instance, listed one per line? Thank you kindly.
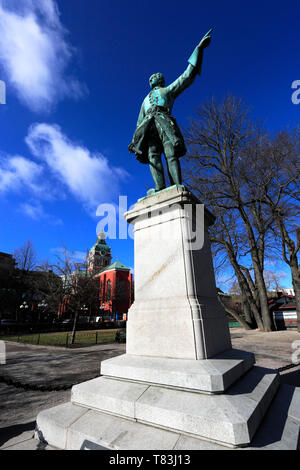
(182, 82)
(194, 68)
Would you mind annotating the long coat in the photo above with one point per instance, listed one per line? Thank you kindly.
(169, 127)
(157, 107)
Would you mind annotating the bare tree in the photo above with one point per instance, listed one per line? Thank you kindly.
(273, 280)
(235, 289)
(273, 182)
(79, 289)
(282, 200)
(26, 256)
(219, 140)
(229, 239)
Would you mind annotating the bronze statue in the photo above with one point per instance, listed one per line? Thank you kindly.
(157, 131)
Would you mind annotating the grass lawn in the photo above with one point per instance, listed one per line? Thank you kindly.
(82, 338)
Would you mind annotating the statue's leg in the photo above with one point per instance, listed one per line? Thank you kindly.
(174, 168)
(156, 166)
(157, 170)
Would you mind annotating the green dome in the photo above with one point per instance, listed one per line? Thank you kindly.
(101, 247)
(101, 244)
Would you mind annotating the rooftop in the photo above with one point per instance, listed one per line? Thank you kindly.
(116, 265)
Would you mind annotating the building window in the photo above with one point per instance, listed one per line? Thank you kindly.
(121, 290)
(108, 291)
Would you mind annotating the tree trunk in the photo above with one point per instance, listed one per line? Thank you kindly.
(296, 284)
(263, 298)
(256, 255)
(244, 286)
(74, 328)
(235, 315)
(248, 313)
(252, 286)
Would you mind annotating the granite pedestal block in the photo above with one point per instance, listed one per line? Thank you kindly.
(176, 313)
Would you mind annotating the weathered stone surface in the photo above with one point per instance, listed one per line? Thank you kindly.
(176, 313)
(209, 375)
(98, 430)
(52, 424)
(231, 418)
(112, 396)
(191, 443)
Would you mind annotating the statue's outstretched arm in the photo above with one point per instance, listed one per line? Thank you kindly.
(194, 68)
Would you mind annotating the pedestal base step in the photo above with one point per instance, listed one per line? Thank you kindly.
(209, 375)
(231, 418)
(92, 430)
(73, 427)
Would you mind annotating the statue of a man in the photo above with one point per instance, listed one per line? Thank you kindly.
(157, 131)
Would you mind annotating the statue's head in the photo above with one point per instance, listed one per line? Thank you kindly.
(157, 79)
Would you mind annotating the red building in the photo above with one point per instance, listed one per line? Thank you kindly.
(115, 281)
(115, 291)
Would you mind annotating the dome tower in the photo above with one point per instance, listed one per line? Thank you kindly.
(99, 255)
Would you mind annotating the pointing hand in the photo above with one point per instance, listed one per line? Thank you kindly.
(205, 41)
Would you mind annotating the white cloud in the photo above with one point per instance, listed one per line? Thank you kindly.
(63, 167)
(18, 173)
(34, 53)
(88, 176)
(35, 211)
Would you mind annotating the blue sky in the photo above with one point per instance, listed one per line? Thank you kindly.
(76, 73)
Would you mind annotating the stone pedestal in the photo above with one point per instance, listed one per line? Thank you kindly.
(180, 385)
(176, 313)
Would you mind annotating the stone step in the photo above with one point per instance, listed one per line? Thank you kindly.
(91, 430)
(73, 427)
(231, 418)
(209, 375)
(118, 397)
(280, 429)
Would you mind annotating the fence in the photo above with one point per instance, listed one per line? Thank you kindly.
(65, 339)
(235, 324)
(16, 329)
